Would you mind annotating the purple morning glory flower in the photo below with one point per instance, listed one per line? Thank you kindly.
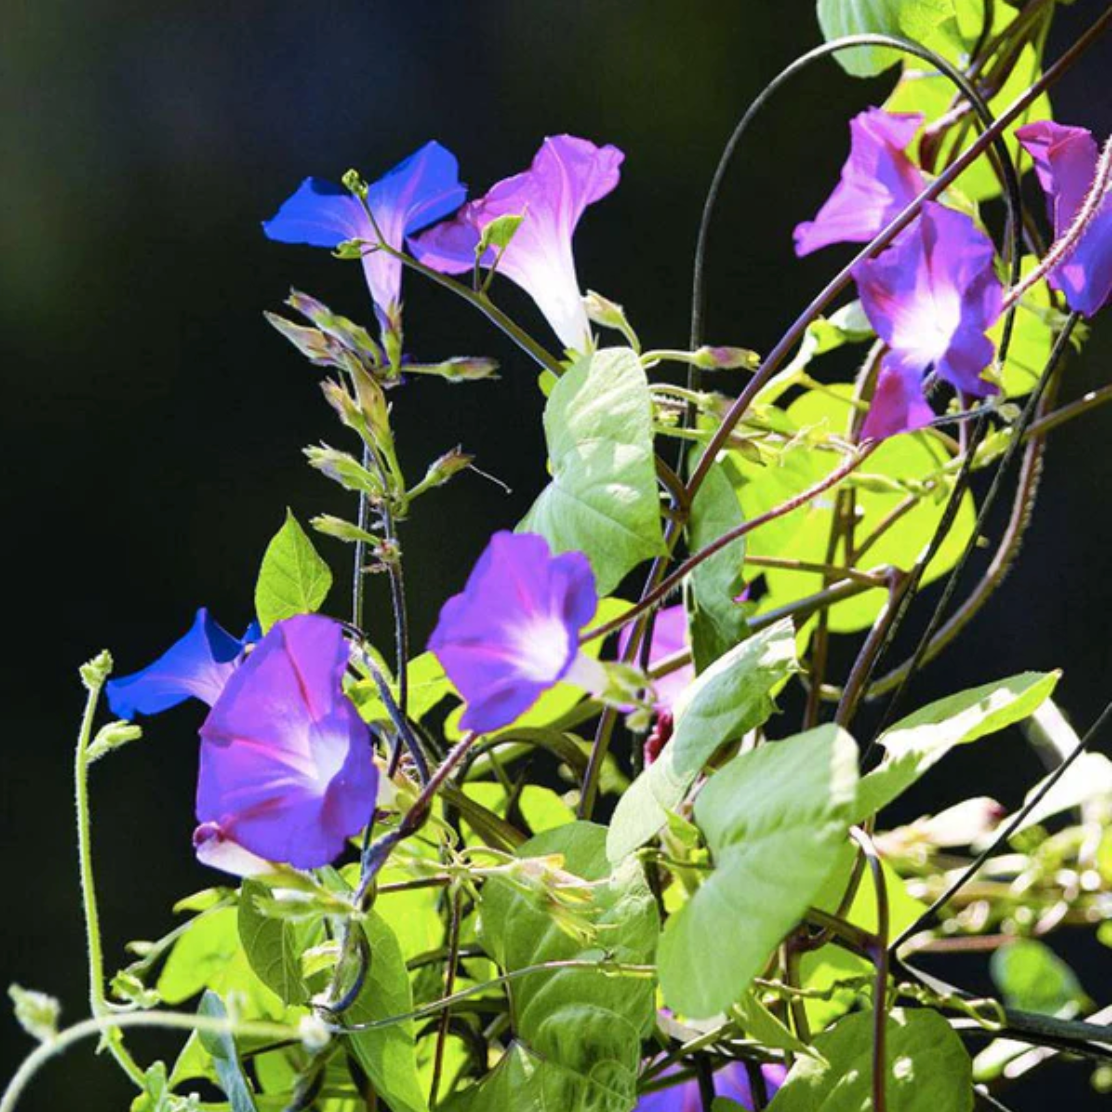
(566, 176)
(931, 296)
(878, 181)
(731, 1081)
(286, 766)
(1066, 161)
(669, 638)
(195, 667)
(416, 192)
(513, 632)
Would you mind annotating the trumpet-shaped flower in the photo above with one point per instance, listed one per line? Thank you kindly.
(195, 667)
(1066, 161)
(566, 176)
(414, 194)
(513, 632)
(731, 1081)
(931, 296)
(286, 767)
(878, 180)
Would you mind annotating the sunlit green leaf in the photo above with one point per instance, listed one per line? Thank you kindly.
(273, 946)
(774, 818)
(293, 579)
(731, 697)
(602, 499)
(1033, 978)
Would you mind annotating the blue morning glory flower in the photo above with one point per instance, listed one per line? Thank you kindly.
(418, 191)
(195, 667)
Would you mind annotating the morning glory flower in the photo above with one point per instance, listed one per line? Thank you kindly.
(513, 632)
(195, 667)
(669, 637)
(414, 194)
(731, 1082)
(931, 296)
(1066, 161)
(287, 773)
(878, 181)
(566, 176)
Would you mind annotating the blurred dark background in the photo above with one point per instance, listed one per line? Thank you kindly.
(152, 422)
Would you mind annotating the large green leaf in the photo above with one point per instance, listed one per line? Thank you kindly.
(937, 24)
(602, 499)
(717, 622)
(928, 1068)
(578, 1031)
(388, 1054)
(774, 819)
(916, 743)
(733, 696)
(1033, 978)
(273, 946)
(225, 1058)
(293, 579)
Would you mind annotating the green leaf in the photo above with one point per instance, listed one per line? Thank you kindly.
(602, 499)
(933, 23)
(928, 1068)
(273, 946)
(157, 1095)
(388, 1054)
(904, 465)
(732, 697)
(1032, 977)
(931, 94)
(225, 1059)
(578, 1031)
(293, 579)
(774, 819)
(916, 743)
(717, 622)
(498, 233)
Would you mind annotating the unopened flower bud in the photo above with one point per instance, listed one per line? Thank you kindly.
(463, 368)
(112, 737)
(312, 344)
(449, 464)
(344, 469)
(342, 530)
(36, 1012)
(350, 335)
(97, 670)
(712, 358)
(353, 182)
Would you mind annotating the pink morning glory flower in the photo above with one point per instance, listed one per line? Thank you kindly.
(669, 638)
(286, 765)
(566, 176)
(878, 181)
(931, 296)
(1066, 161)
(195, 667)
(415, 193)
(513, 632)
(731, 1081)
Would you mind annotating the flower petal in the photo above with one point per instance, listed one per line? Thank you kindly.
(898, 404)
(197, 666)
(1065, 161)
(566, 176)
(286, 768)
(878, 180)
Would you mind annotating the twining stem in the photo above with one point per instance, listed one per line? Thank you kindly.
(456, 917)
(879, 954)
(94, 677)
(1059, 417)
(108, 1025)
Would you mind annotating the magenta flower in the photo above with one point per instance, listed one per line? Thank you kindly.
(878, 181)
(195, 667)
(513, 632)
(669, 638)
(931, 296)
(421, 189)
(286, 766)
(566, 176)
(1066, 161)
(731, 1081)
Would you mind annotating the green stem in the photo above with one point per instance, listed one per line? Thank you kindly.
(107, 1025)
(94, 682)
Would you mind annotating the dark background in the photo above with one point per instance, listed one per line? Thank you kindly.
(152, 422)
